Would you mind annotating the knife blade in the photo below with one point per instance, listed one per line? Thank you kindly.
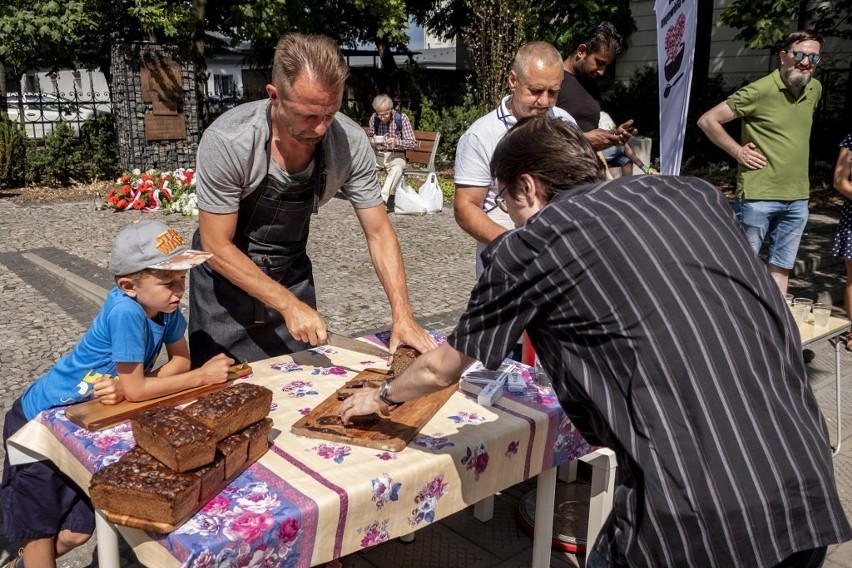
(352, 344)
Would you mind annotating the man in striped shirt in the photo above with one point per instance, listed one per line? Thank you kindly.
(666, 340)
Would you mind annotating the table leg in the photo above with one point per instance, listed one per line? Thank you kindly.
(484, 510)
(544, 501)
(107, 541)
(603, 465)
(837, 346)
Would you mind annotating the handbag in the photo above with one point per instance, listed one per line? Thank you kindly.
(407, 200)
(431, 194)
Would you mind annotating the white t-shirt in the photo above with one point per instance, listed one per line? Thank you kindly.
(473, 159)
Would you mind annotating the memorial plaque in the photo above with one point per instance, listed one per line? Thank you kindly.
(164, 127)
(161, 81)
(162, 88)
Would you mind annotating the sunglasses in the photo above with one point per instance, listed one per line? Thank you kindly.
(799, 56)
(500, 201)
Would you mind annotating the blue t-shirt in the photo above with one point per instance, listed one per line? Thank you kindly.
(120, 333)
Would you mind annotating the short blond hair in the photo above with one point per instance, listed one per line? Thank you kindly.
(316, 56)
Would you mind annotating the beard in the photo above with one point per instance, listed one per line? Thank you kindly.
(794, 77)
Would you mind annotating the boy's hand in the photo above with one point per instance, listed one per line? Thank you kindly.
(108, 391)
(216, 369)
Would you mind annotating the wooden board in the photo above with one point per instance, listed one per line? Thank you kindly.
(391, 433)
(164, 528)
(93, 415)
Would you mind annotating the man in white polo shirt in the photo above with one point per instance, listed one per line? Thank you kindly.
(534, 82)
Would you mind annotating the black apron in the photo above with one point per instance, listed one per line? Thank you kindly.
(272, 230)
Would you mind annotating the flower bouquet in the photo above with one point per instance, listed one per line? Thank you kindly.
(170, 191)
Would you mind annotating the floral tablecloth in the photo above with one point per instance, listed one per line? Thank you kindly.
(307, 501)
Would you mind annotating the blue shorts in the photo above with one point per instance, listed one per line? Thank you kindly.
(615, 156)
(38, 500)
(782, 221)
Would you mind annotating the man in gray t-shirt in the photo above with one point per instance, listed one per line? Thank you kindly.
(263, 169)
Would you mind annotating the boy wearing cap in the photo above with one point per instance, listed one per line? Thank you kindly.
(114, 360)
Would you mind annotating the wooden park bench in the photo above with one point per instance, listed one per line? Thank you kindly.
(420, 160)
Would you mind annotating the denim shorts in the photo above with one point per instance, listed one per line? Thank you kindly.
(615, 156)
(783, 222)
(39, 500)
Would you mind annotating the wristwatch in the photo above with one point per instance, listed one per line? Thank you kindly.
(383, 393)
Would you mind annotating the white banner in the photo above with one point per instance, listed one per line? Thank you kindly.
(675, 53)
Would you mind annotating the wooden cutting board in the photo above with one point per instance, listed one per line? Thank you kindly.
(391, 433)
(94, 415)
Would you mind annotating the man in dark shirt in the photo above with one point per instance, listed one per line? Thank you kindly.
(665, 340)
(591, 52)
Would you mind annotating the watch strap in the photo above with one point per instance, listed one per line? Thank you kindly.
(383, 393)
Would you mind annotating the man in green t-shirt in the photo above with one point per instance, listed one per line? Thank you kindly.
(772, 176)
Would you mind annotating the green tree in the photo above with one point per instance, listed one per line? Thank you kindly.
(492, 31)
(38, 34)
(494, 34)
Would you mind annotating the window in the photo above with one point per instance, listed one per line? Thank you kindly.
(223, 85)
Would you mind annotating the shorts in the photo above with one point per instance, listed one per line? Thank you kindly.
(782, 221)
(615, 156)
(38, 500)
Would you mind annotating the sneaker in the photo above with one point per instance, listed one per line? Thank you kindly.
(808, 355)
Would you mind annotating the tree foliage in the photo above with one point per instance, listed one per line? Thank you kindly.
(763, 23)
(493, 35)
(554, 21)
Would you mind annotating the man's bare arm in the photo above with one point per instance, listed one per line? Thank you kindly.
(467, 207)
(712, 121)
(386, 256)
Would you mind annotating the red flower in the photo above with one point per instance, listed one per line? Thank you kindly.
(139, 204)
(122, 203)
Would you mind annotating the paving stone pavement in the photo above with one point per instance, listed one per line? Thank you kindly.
(44, 317)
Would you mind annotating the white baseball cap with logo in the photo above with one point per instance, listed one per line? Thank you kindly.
(152, 244)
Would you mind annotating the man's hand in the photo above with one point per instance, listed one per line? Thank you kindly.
(360, 404)
(600, 138)
(304, 323)
(108, 391)
(215, 370)
(625, 132)
(408, 333)
(750, 157)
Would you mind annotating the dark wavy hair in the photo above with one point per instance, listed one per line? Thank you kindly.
(316, 56)
(800, 35)
(550, 149)
(597, 38)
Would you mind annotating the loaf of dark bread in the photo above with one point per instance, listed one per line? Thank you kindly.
(258, 438)
(174, 438)
(212, 478)
(403, 357)
(228, 411)
(140, 486)
(233, 450)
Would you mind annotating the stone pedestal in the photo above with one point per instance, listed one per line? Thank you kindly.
(155, 106)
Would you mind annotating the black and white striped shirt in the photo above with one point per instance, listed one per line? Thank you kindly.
(667, 341)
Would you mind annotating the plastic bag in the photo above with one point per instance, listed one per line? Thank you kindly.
(431, 195)
(407, 200)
